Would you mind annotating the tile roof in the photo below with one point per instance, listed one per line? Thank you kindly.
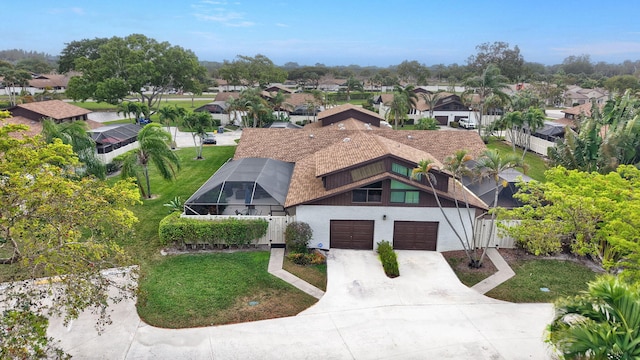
(35, 127)
(291, 146)
(584, 109)
(340, 108)
(55, 109)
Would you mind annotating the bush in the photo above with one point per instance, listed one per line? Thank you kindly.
(454, 124)
(113, 167)
(427, 124)
(388, 258)
(306, 259)
(297, 236)
(177, 230)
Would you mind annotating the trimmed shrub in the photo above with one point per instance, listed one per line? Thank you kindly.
(454, 124)
(388, 258)
(427, 124)
(183, 231)
(306, 259)
(297, 236)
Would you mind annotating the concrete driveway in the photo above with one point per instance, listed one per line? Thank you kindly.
(426, 313)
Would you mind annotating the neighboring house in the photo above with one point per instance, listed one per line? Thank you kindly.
(575, 95)
(449, 107)
(484, 188)
(39, 83)
(113, 140)
(349, 179)
(278, 87)
(574, 114)
(215, 107)
(32, 114)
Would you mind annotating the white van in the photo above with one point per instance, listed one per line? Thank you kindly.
(468, 124)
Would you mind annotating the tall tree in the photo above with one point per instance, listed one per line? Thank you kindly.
(431, 98)
(250, 71)
(59, 227)
(13, 79)
(413, 72)
(352, 84)
(278, 100)
(133, 65)
(254, 104)
(404, 99)
(152, 149)
(76, 134)
(491, 82)
(509, 61)
(489, 165)
(601, 323)
(86, 48)
(198, 123)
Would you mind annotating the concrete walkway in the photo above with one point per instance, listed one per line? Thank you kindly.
(426, 313)
(503, 274)
(275, 268)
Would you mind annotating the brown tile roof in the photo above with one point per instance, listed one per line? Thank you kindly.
(291, 146)
(55, 109)
(305, 187)
(349, 124)
(224, 96)
(298, 99)
(584, 109)
(361, 148)
(49, 80)
(276, 88)
(340, 108)
(35, 127)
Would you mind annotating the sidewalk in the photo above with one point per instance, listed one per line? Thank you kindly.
(503, 274)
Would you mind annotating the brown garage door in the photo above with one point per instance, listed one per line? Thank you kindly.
(352, 234)
(415, 235)
(442, 120)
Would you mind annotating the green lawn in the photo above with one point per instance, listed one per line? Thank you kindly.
(194, 173)
(315, 275)
(536, 165)
(562, 278)
(212, 289)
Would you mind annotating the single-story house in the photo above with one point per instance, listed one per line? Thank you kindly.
(113, 140)
(349, 179)
(32, 115)
(447, 109)
(215, 107)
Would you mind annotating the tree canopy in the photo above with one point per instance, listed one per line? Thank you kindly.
(59, 227)
(116, 68)
(509, 61)
(249, 71)
(592, 214)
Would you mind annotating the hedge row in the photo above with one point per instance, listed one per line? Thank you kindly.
(174, 229)
(388, 258)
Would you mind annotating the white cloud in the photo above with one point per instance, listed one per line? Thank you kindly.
(215, 11)
(75, 10)
(282, 25)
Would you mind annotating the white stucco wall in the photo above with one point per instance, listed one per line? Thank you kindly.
(318, 217)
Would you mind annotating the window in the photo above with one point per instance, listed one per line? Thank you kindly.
(404, 194)
(401, 170)
(368, 194)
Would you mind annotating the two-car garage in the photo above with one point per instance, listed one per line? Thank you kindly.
(407, 235)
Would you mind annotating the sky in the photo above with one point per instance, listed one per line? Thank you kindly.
(338, 32)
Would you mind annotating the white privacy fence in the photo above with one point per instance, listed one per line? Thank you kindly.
(496, 237)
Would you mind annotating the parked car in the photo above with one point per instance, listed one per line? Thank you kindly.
(468, 124)
(208, 138)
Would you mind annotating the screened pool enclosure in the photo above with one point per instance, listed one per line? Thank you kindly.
(250, 186)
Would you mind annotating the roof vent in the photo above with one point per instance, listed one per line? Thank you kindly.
(409, 137)
(346, 139)
(311, 136)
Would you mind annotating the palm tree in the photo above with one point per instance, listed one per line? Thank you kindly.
(489, 165)
(404, 98)
(431, 99)
(153, 148)
(167, 115)
(198, 123)
(277, 100)
(491, 82)
(76, 134)
(533, 119)
(252, 102)
(601, 323)
(353, 84)
(124, 108)
(456, 164)
(425, 168)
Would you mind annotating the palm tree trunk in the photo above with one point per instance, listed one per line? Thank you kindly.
(493, 221)
(446, 218)
(146, 176)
